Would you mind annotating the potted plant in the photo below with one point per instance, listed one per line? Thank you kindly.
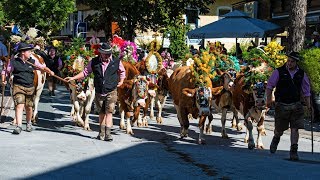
(311, 65)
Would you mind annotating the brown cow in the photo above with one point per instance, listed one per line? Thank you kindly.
(158, 93)
(188, 98)
(250, 102)
(223, 101)
(133, 95)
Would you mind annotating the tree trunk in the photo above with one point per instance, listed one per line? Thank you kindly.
(108, 25)
(264, 9)
(297, 25)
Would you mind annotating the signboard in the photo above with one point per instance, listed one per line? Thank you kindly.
(194, 41)
(80, 29)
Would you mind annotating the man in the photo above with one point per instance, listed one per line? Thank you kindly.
(23, 87)
(3, 51)
(109, 74)
(291, 83)
(316, 39)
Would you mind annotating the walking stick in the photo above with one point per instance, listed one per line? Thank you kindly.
(4, 87)
(312, 118)
(61, 79)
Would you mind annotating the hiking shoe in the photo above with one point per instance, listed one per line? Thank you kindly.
(294, 152)
(17, 130)
(102, 132)
(274, 144)
(29, 127)
(52, 94)
(108, 135)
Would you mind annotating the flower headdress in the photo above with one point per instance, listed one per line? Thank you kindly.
(30, 37)
(128, 52)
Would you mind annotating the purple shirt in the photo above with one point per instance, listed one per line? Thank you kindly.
(88, 70)
(7, 70)
(274, 78)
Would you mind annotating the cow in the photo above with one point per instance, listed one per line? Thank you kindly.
(187, 98)
(222, 102)
(158, 88)
(249, 100)
(39, 81)
(125, 96)
(81, 102)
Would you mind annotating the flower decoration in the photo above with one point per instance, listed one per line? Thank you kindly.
(154, 57)
(30, 37)
(167, 61)
(116, 44)
(128, 52)
(274, 51)
(201, 68)
(76, 57)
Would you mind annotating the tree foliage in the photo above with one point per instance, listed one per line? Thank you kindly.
(133, 15)
(45, 15)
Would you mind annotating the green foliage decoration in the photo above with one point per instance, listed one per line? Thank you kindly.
(311, 65)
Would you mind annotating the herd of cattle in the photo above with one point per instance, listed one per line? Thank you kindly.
(141, 91)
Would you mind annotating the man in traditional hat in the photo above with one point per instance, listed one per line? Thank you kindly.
(109, 74)
(23, 87)
(291, 83)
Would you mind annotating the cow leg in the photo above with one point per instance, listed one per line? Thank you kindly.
(208, 127)
(184, 122)
(249, 134)
(159, 117)
(152, 102)
(202, 120)
(78, 118)
(129, 127)
(223, 123)
(261, 130)
(36, 103)
(235, 121)
(122, 113)
(87, 111)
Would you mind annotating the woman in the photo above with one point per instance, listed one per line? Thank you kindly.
(54, 63)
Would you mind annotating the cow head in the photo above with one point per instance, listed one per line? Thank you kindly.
(140, 90)
(228, 79)
(163, 79)
(203, 96)
(83, 89)
(259, 97)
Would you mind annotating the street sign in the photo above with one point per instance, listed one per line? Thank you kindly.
(194, 41)
(80, 29)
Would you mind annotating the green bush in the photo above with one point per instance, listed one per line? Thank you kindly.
(311, 65)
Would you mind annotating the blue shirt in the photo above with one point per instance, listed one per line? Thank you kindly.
(3, 50)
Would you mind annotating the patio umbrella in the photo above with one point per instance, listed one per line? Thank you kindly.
(236, 24)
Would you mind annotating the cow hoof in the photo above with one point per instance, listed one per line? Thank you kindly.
(130, 132)
(152, 117)
(146, 124)
(159, 120)
(251, 145)
(190, 117)
(139, 124)
(201, 142)
(208, 129)
(239, 128)
(122, 127)
(87, 128)
(260, 147)
(233, 126)
(225, 136)
(246, 140)
(263, 132)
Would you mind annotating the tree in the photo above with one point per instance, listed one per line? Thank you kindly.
(42, 14)
(297, 25)
(133, 15)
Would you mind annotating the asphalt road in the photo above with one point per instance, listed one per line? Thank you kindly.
(59, 149)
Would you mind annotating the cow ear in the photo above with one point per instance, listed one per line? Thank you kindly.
(217, 90)
(219, 72)
(188, 92)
